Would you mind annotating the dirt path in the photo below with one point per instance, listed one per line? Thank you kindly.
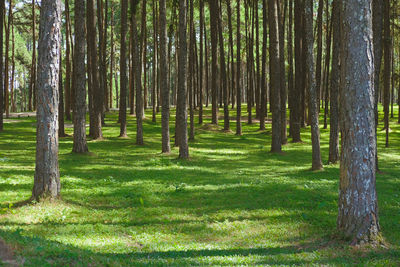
(7, 255)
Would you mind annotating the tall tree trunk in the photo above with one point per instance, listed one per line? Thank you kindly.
(233, 87)
(12, 100)
(80, 144)
(312, 90)
(358, 206)
(131, 72)
(32, 81)
(298, 85)
(123, 68)
(263, 109)
(47, 174)
(275, 72)
(2, 9)
(290, 73)
(258, 75)
(102, 64)
(387, 68)
(143, 52)
(318, 68)
(214, 59)
(223, 73)
(283, 92)
(238, 73)
(68, 74)
(191, 72)
(112, 57)
(326, 75)
(61, 126)
(377, 26)
(138, 76)
(201, 61)
(206, 65)
(335, 84)
(181, 110)
(96, 89)
(7, 62)
(104, 51)
(155, 65)
(166, 148)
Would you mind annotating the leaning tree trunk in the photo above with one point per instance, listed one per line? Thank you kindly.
(181, 109)
(166, 148)
(47, 175)
(123, 68)
(80, 144)
(312, 90)
(358, 205)
(275, 72)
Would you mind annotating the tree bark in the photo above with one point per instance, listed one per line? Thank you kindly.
(312, 90)
(32, 82)
(181, 109)
(2, 9)
(7, 62)
(123, 68)
(80, 144)
(238, 73)
(61, 126)
(387, 53)
(358, 206)
(263, 109)
(214, 59)
(67, 88)
(275, 72)
(166, 148)
(47, 175)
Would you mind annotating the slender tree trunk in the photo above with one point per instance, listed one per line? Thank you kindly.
(263, 110)
(238, 73)
(315, 134)
(80, 144)
(138, 76)
(318, 68)
(358, 205)
(214, 59)
(2, 9)
(201, 61)
(181, 110)
(96, 88)
(258, 73)
(112, 57)
(233, 82)
(191, 72)
(68, 73)
(123, 68)
(335, 84)
(326, 75)
(61, 127)
(131, 72)
(102, 64)
(206, 66)
(7, 62)
(144, 52)
(387, 68)
(47, 175)
(32, 82)
(291, 72)
(13, 108)
(283, 92)
(298, 85)
(275, 72)
(155, 64)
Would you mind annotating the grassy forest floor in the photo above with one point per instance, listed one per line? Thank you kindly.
(232, 203)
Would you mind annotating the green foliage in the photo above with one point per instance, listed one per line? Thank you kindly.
(232, 203)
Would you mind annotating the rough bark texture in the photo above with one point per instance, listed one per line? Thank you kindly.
(312, 90)
(358, 206)
(335, 84)
(123, 68)
(80, 144)
(166, 148)
(238, 73)
(181, 109)
(47, 175)
(276, 144)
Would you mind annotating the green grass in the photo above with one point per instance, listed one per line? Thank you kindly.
(232, 203)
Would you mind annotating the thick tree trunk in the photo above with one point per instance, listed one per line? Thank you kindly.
(312, 90)
(164, 78)
(47, 175)
(275, 72)
(181, 110)
(123, 68)
(335, 85)
(80, 144)
(358, 206)
(238, 73)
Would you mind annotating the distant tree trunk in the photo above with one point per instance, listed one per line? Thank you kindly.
(309, 42)
(80, 144)
(47, 175)
(318, 68)
(123, 68)
(12, 100)
(181, 110)
(138, 76)
(326, 75)
(104, 51)
(358, 206)
(201, 61)
(387, 68)
(263, 109)
(2, 9)
(206, 66)
(275, 72)
(377, 26)
(102, 63)
(61, 127)
(298, 85)
(96, 89)
(335, 84)
(283, 92)
(238, 73)
(112, 57)
(290, 72)
(144, 52)
(228, 3)
(7, 62)
(131, 71)
(155, 64)
(214, 59)
(164, 78)
(32, 82)
(258, 75)
(67, 64)
(223, 73)
(191, 69)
